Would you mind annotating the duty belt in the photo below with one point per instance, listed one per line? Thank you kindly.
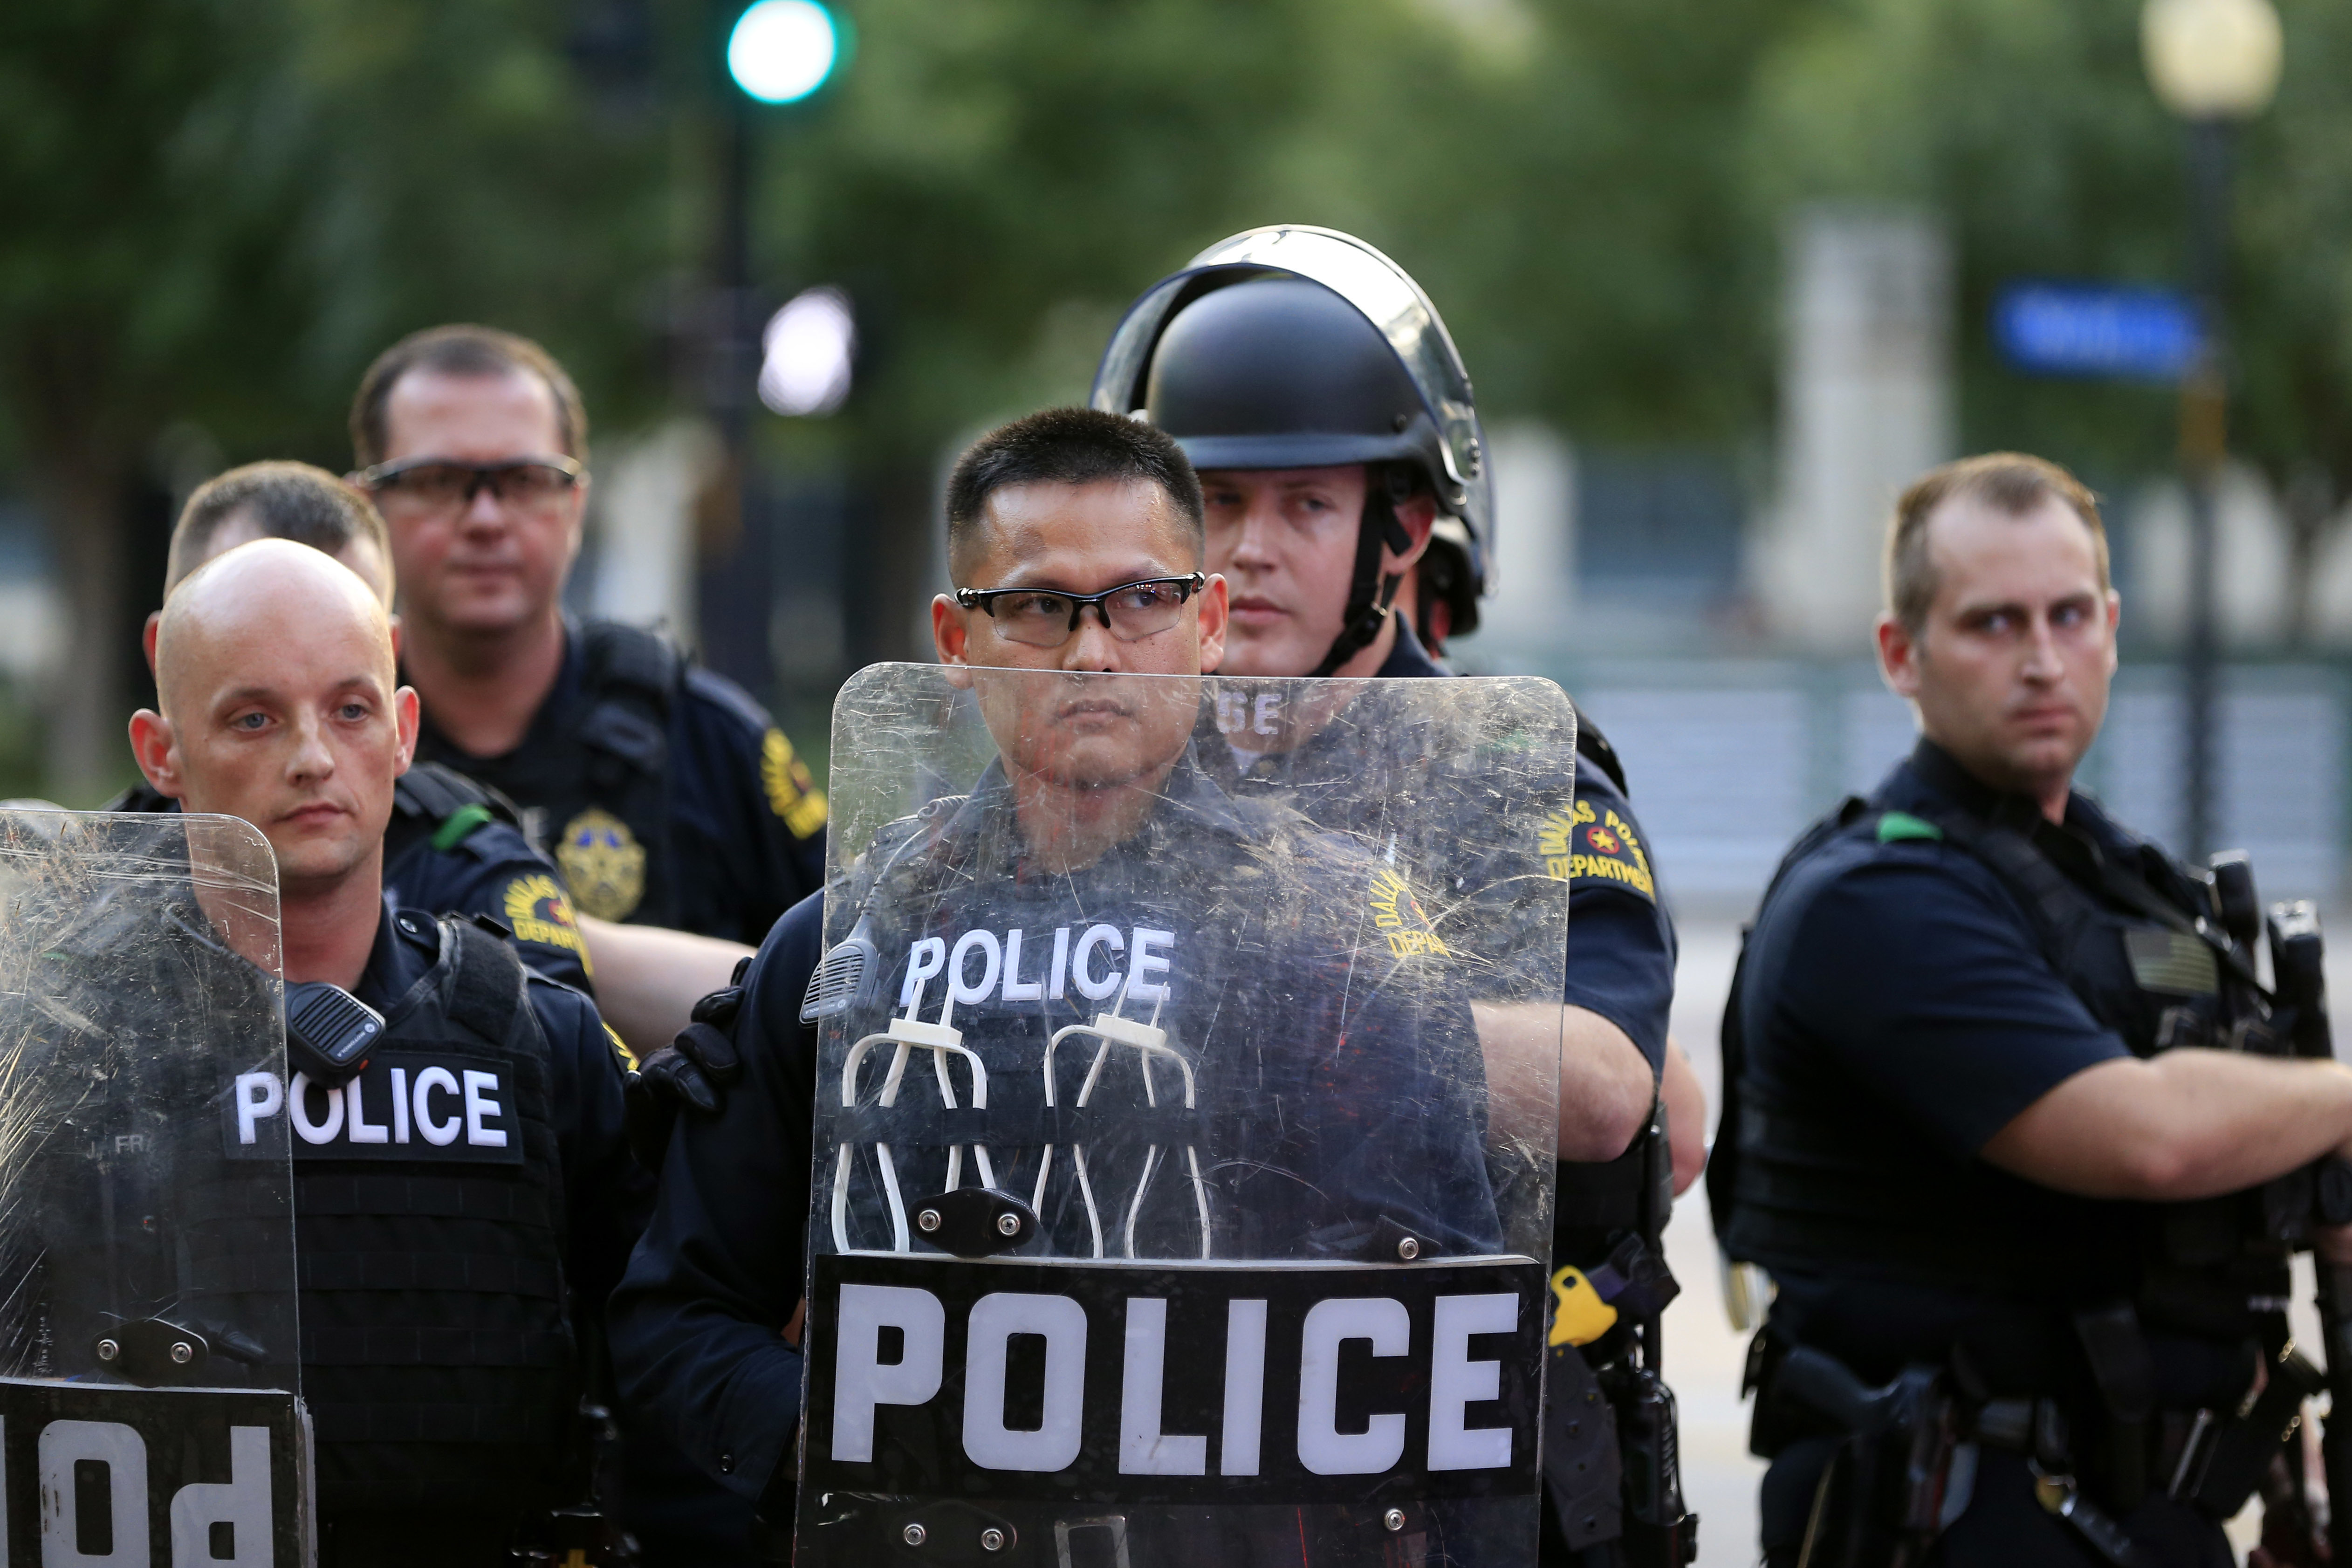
(2210, 1459)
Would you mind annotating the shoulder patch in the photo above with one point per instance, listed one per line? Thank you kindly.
(621, 1051)
(793, 794)
(535, 908)
(1896, 826)
(1582, 844)
(1397, 916)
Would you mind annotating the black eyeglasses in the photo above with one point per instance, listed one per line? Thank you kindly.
(1047, 618)
(444, 484)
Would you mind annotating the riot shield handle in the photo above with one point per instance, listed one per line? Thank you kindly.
(908, 1034)
(1147, 1041)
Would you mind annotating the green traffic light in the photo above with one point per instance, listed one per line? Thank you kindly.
(782, 50)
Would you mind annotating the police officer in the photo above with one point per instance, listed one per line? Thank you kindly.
(1998, 1095)
(1314, 386)
(465, 1200)
(1074, 502)
(452, 845)
(665, 793)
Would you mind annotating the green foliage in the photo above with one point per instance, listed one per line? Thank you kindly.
(219, 210)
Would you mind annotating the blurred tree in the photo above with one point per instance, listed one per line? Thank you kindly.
(220, 209)
(2032, 128)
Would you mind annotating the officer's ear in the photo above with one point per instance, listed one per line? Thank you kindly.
(147, 637)
(1898, 657)
(403, 712)
(1216, 608)
(953, 638)
(153, 744)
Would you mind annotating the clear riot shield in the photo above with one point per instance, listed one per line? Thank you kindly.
(149, 1359)
(1188, 1069)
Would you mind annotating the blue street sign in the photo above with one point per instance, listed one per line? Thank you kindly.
(2095, 330)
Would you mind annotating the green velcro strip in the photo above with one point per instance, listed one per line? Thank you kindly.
(1897, 825)
(462, 821)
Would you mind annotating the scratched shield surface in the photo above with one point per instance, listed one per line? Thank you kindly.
(150, 1359)
(1189, 1073)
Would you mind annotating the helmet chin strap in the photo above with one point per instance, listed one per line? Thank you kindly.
(1371, 591)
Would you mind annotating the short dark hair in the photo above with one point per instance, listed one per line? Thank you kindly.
(1066, 446)
(2015, 483)
(287, 501)
(462, 350)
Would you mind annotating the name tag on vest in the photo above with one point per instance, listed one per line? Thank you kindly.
(415, 1106)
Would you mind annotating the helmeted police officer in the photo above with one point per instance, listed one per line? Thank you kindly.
(464, 1197)
(451, 844)
(665, 794)
(1315, 387)
(1085, 508)
(1998, 1105)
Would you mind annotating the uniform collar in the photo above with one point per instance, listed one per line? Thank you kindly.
(1408, 659)
(570, 680)
(1932, 774)
(407, 945)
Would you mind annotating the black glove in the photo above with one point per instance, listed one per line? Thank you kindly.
(694, 1070)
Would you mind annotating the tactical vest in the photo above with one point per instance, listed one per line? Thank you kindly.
(435, 805)
(598, 787)
(439, 1360)
(1792, 1188)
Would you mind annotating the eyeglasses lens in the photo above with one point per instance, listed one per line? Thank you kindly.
(1043, 620)
(444, 486)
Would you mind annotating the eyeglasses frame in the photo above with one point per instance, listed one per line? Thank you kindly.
(984, 598)
(374, 479)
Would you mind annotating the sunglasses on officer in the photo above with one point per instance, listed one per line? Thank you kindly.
(1047, 617)
(446, 485)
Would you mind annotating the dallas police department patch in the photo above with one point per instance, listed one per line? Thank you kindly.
(791, 793)
(604, 862)
(1396, 914)
(536, 910)
(1583, 845)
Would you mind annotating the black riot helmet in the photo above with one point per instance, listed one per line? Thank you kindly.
(1302, 348)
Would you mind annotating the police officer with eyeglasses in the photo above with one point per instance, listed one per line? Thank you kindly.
(667, 795)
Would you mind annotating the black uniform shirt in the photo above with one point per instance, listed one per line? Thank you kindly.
(606, 1192)
(733, 831)
(469, 865)
(696, 1324)
(1894, 985)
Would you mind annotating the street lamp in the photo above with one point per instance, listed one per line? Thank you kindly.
(2213, 63)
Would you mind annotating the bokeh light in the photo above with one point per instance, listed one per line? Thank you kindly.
(807, 350)
(781, 50)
